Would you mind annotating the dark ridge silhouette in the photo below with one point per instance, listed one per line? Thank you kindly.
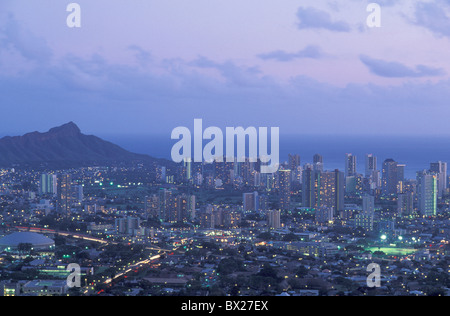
(65, 146)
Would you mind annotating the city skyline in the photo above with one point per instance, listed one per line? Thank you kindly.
(224, 149)
(128, 226)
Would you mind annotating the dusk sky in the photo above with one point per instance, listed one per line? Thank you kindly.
(146, 67)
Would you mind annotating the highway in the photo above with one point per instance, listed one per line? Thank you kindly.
(105, 242)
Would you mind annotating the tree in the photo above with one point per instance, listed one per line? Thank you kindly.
(301, 271)
(268, 272)
(229, 265)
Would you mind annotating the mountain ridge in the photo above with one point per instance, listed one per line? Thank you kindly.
(64, 145)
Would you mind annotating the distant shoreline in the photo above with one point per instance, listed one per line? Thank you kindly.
(416, 152)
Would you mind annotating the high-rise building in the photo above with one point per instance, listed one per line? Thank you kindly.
(324, 215)
(247, 169)
(350, 165)
(187, 165)
(368, 205)
(64, 201)
(251, 202)
(331, 190)
(405, 204)
(354, 185)
(185, 208)
(121, 225)
(231, 218)
(375, 180)
(167, 205)
(294, 162)
(127, 225)
(440, 169)
(161, 174)
(323, 189)
(152, 206)
(207, 217)
(371, 165)
(133, 223)
(309, 187)
(317, 158)
(263, 202)
(48, 184)
(78, 193)
(285, 189)
(365, 219)
(274, 219)
(318, 162)
(390, 177)
(427, 193)
(294, 166)
(401, 172)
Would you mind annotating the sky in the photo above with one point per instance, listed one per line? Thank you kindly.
(148, 66)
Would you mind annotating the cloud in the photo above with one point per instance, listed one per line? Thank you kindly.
(397, 70)
(17, 39)
(313, 52)
(143, 101)
(143, 56)
(234, 74)
(311, 18)
(101, 94)
(433, 16)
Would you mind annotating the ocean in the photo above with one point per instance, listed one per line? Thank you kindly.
(415, 152)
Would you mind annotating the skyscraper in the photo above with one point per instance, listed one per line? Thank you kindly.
(167, 204)
(48, 184)
(64, 201)
(440, 169)
(427, 193)
(273, 219)
(354, 185)
(317, 158)
(350, 165)
(187, 165)
(318, 162)
(309, 187)
(323, 189)
(365, 218)
(405, 204)
(294, 162)
(371, 165)
(78, 193)
(401, 172)
(294, 166)
(368, 206)
(251, 202)
(390, 178)
(185, 208)
(331, 190)
(285, 189)
(152, 206)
